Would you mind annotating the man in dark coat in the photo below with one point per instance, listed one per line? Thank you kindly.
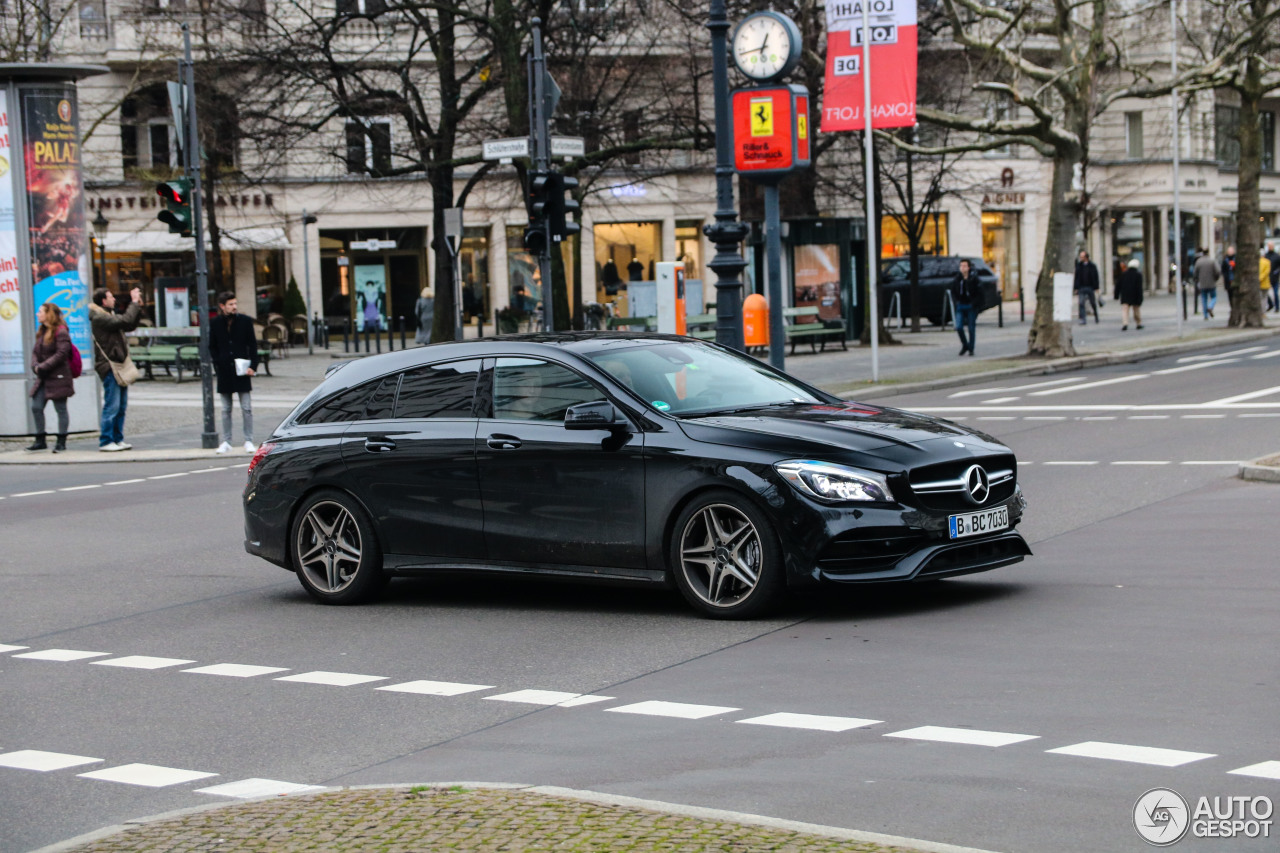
(1086, 286)
(231, 340)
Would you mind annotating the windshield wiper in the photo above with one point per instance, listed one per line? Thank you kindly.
(734, 410)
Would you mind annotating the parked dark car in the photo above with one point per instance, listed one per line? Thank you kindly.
(937, 272)
(645, 459)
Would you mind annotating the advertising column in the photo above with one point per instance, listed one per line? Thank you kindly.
(11, 339)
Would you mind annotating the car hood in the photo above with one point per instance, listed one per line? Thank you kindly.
(898, 437)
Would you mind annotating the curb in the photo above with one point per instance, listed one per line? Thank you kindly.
(82, 457)
(1260, 471)
(834, 832)
(1062, 365)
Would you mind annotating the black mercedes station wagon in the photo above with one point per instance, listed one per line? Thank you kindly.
(644, 459)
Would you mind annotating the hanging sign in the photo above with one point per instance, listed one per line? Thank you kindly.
(893, 65)
(771, 131)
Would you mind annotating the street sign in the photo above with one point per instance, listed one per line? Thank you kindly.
(373, 244)
(568, 146)
(453, 229)
(177, 110)
(505, 149)
(771, 131)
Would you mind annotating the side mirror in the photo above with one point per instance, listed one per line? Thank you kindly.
(598, 414)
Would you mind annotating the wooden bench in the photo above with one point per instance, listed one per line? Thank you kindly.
(176, 358)
(625, 323)
(815, 332)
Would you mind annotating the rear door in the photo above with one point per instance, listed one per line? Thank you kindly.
(555, 496)
(412, 460)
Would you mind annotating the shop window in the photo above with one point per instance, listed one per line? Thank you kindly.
(626, 253)
(524, 281)
(689, 248)
(1002, 249)
(369, 146)
(473, 261)
(1133, 135)
(894, 242)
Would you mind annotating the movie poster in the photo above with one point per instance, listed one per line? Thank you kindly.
(55, 202)
(11, 341)
(371, 298)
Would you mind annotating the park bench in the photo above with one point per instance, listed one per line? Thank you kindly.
(635, 324)
(815, 331)
(701, 326)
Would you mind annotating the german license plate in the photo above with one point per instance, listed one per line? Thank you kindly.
(977, 523)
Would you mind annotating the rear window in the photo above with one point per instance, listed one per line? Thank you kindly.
(438, 390)
(344, 406)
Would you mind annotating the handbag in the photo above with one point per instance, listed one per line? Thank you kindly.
(125, 372)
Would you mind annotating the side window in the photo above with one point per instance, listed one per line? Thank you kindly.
(528, 389)
(438, 390)
(382, 404)
(344, 406)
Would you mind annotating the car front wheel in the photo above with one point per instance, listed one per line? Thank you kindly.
(335, 554)
(725, 557)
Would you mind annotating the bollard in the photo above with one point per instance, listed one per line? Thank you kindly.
(346, 336)
(377, 339)
(391, 337)
(366, 340)
(401, 320)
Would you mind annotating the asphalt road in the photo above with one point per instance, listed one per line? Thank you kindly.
(1135, 650)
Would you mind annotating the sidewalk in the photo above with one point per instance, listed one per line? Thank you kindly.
(478, 819)
(164, 419)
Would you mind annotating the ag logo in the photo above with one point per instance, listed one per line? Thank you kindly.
(1161, 817)
(8, 309)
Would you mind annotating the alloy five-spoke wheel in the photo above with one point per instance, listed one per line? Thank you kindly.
(334, 551)
(725, 558)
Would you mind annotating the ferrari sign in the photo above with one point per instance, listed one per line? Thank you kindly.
(771, 130)
(893, 64)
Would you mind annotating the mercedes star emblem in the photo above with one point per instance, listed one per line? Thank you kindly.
(978, 484)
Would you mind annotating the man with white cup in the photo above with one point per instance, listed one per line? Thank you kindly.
(233, 349)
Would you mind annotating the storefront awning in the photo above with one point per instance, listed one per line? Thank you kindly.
(233, 240)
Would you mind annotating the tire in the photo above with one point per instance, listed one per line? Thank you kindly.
(335, 553)
(725, 557)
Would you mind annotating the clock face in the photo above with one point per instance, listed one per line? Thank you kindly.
(762, 47)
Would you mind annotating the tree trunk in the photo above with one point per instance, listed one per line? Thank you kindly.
(1047, 337)
(1246, 307)
(443, 328)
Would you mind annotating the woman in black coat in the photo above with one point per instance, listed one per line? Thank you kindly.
(51, 363)
(1129, 292)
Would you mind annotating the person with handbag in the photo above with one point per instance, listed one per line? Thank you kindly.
(51, 362)
(114, 367)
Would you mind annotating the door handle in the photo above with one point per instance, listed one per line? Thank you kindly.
(503, 442)
(379, 445)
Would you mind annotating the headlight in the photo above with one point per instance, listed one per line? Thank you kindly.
(832, 483)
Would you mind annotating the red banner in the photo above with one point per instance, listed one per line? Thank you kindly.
(893, 65)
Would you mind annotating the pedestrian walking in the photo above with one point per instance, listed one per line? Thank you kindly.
(1264, 280)
(1129, 293)
(1086, 286)
(233, 349)
(966, 292)
(1207, 274)
(1229, 275)
(425, 310)
(1273, 258)
(113, 365)
(51, 362)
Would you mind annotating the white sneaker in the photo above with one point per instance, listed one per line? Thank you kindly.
(249, 447)
(225, 447)
(110, 448)
(124, 445)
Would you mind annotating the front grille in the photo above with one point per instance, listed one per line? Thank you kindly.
(941, 487)
(868, 549)
(975, 556)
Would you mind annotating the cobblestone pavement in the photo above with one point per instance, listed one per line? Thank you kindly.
(419, 819)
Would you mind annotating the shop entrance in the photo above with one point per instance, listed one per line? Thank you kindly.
(1002, 250)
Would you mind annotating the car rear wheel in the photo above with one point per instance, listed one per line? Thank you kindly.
(335, 553)
(725, 557)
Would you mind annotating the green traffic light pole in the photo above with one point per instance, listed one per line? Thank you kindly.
(191, 167)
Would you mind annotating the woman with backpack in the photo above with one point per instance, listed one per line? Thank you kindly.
(52, 361)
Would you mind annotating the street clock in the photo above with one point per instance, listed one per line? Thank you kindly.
(766, 46)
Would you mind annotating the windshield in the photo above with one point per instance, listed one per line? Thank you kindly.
(695, 379)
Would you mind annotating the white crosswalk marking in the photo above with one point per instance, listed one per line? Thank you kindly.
(1240, 398)
(970, 737)
(62, 655)
(146, 775)
(547, 697)
(815, 722)
(248, 789)
(7, 648)
(1196, 366)
(142, 662)
(672, 709)
(37, 759)
(1264, 770)
(1100, 383)
(236, 670)
(977, 391)
(333, 679)
(1134, 754)
(435, 688)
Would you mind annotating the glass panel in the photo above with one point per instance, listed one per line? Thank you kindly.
(817, 277)
(1002, 249)
(625, 252)
(527, 389)
(382, 403)
(473, 258)
(524, 280)
(348, 405)
(894, 242)
(438, 391)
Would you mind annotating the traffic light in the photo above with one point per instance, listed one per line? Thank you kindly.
(535, 238)
(563, 207)
(175, 196)
(539, 197)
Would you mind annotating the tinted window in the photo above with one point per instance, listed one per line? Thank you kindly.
(531, 390)
(346, 405)
(382, 403)
(438, 390)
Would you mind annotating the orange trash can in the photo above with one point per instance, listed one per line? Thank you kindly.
(755, 321)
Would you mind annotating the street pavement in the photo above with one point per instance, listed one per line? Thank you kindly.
(1024, 709)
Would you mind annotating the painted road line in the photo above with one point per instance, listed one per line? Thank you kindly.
(1072, 462)
(1099, 418)
(1240, 398)
(168, 476)
(1002, 400)
(1100, 383)
(79, 488)
(1202, 417)
(672, 709)
(815, 722)
(142, 662)
(38, 759)
(236, 670)
(7, 648)
(32, 494)
(548, 697)
(146, 775)
(1244, 351)
(1134, 754)
(62, 655)
(1265, 770)
(125, 482)
(1045, 418)
(1148, 417)
(999, 418)
(977, 391)
(333, 679)
(1271, 354)
(1210, 462)
(250, 789)
(972, 737)
(1197, 366)
(435, 688)
(1259, 415)
(1143, 462)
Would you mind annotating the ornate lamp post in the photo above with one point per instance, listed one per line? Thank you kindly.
(726, 232)
(100, 225)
